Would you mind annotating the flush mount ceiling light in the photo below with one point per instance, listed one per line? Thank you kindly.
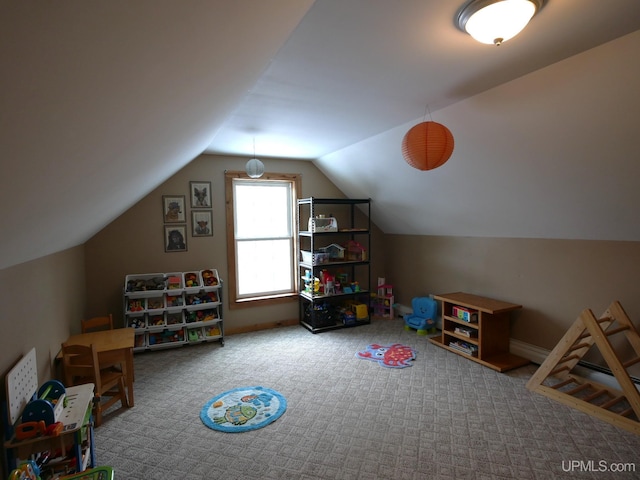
(496, 21)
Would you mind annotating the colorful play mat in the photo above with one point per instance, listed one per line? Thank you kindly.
(243, 409)
(392, 356)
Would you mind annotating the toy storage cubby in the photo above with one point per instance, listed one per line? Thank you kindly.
(174, 309)
(334, 241)
(477, 328)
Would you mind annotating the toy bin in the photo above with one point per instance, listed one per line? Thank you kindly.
(210, 314)
(155, 304)
(136, 321)
(195, 335)
(166, 338)
(315, 258)
(156, 320)
(175, 318)
(201, 300)
(174, 281)
(174, 300)
(210, 277)
(135, 305)
(192, 281)
(140, 341)
(141, 284)
(204, 315)
(212, 331)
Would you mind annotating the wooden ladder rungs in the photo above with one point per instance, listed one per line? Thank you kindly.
(616, 330)
(563, 384)
(558, 370)
(620, 408)
(578, 389)
(594, 395)
(627, 413)
(572, 357)
(612, 402)
(579, 345)
(633, 361)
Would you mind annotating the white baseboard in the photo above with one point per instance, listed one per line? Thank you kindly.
(528, 351)
(538, 355)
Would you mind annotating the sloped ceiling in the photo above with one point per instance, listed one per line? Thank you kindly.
(103, 101)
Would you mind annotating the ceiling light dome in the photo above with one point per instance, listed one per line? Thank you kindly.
(496, 21)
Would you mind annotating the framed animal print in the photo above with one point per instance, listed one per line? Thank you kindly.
(173, 209)
(200, 194)
(175, 238)
(201, 223)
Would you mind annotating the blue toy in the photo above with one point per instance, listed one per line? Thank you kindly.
(423, 318)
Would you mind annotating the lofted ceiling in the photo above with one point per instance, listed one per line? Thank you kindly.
(101, 102)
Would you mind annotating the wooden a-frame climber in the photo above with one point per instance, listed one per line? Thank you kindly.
(554, 378)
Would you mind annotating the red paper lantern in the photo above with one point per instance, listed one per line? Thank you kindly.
(427, 145)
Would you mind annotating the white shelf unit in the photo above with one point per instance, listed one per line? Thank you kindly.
(174, 309)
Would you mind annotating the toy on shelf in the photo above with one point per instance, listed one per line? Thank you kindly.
(146, 284)
(137, 322)
(174, 282)
(209, 278)
(195, 335)
(191, 280)
(423, 318)
(355, 252)
(155, 303)
(26, 471)
(175, 301)
(135, 305)
(383, 301)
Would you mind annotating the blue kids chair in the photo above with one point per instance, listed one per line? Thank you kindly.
(423, 318)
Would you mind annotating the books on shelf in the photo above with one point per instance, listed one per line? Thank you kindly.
(465, 314)
(466, 332)
(464, 347)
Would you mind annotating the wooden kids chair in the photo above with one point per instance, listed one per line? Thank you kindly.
(80, 365)
(104, 322)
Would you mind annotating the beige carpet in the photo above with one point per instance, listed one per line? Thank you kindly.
(445, 417)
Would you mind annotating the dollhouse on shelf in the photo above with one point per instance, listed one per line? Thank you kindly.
(383, 300)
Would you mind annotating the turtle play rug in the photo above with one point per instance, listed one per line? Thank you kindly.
(243, 409)
(391, 356)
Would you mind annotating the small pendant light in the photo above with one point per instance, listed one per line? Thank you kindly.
(254, 167)
(427, 145)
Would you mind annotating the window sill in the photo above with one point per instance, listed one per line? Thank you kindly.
(263, 301)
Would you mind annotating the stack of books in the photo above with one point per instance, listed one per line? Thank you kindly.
(464, 347)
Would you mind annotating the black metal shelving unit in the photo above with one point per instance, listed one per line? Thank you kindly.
(319, 310)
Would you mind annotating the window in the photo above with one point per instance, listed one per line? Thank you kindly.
(261, 238)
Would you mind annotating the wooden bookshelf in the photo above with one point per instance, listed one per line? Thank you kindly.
(487, 320)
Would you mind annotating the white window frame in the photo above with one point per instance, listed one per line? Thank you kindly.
(235, 299)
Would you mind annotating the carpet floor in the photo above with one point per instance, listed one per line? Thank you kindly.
(444, 417)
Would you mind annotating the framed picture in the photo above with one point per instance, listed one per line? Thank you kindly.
(201, 223)
(175, 238)
(200, 194)
(173, 209)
